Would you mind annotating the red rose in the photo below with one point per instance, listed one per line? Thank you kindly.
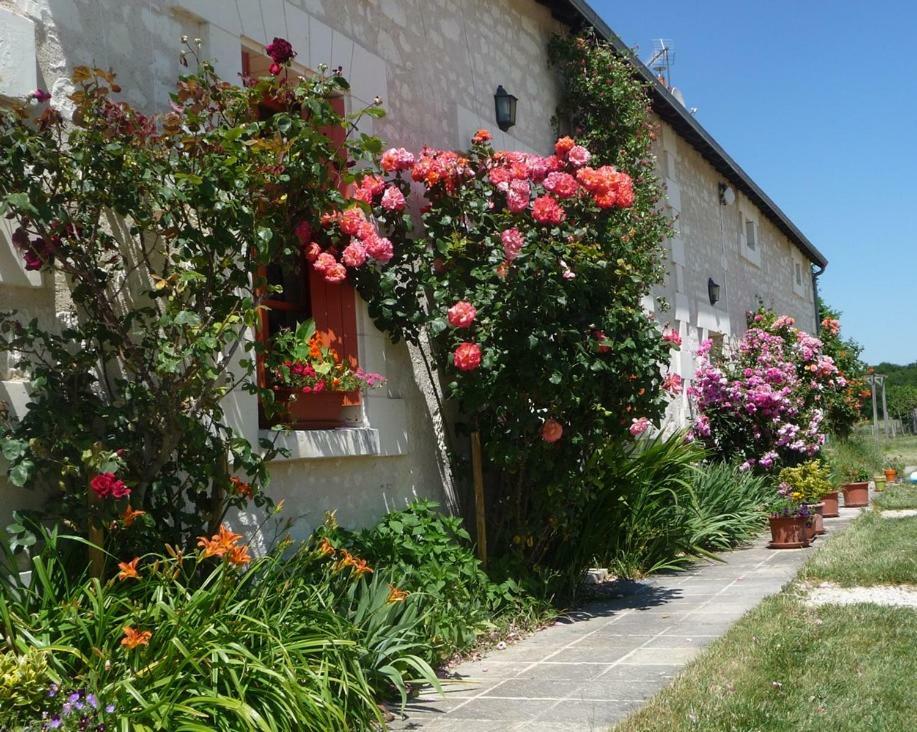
(467, 357)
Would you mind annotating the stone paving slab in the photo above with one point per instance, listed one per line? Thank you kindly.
(600, 662)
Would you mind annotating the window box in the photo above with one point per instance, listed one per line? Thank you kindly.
(325, 410)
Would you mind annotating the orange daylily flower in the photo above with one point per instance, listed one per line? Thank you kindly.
(220, 543)
(128, 569)
(133, 638)
(130, 515)
(238, 555)
(326, 548)
(360, 567)
(396, 595)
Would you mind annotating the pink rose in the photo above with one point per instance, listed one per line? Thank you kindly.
(562, 185)
(393, 199)
(551, 430)
(601, 338)
(354, 254)
(517, 197)
(323, 261)
(545, 210)
(380, 249)
(312, 252)
(335, 274)
(578, 156)
(397, 158)
(351, 220)
(512, 243)
(672, 383)
(639, 426)
(672, 336)
(467, 357)
(462, 314)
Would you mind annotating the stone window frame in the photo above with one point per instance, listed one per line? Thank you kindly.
(749, 214)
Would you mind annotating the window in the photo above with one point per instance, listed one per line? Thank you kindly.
(305, 293)
(798, 274)
(751, 234)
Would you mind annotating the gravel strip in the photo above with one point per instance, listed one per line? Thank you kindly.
(899, 513)
(885, 595)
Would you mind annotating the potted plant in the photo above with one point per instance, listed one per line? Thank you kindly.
(808, 483)
(789, 521)
(855, 487)
(311, 382)
(891, 471)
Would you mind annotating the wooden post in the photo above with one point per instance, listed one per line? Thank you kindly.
(477, 467)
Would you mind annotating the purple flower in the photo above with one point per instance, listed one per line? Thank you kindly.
(53, 689)
(40, 95)
(93, 702)
(55, 722)
(110, 708)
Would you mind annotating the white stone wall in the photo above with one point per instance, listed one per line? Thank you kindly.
(710, 241)
(435, 63)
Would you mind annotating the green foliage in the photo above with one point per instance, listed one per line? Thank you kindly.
(902, 401)
(808, 482)
(842, 408)
(729, 505)
(24, 682)
(287, 644)
(160, 228)
(853, 460)
(429, 555)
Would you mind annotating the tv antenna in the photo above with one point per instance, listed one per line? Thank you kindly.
(662, 60)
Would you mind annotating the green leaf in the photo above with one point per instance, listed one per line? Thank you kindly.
(21, 473)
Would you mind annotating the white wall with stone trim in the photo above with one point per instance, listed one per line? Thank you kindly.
(436, 65)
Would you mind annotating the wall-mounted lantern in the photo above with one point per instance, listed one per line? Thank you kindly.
(505, 107)
(713, 290)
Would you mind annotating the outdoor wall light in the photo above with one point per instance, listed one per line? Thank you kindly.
(713, 290)
(505, 106)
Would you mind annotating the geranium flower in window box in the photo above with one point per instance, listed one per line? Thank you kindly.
(311, 380)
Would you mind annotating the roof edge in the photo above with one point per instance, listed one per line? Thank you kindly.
(675, 114)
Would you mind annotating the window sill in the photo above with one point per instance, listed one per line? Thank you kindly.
(323, 444)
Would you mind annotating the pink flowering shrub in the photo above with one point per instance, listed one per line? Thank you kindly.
(764, 403)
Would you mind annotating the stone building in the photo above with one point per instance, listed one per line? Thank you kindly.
(436, 64)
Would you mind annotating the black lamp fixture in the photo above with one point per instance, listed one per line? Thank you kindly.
(505, 106)
(713, 290)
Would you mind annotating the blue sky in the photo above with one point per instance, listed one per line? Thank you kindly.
(817, 101)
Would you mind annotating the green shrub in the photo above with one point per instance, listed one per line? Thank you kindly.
(429, 554)
(808, 482)
(24, 682)
(729, 506)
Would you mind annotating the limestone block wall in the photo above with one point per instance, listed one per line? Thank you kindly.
(436, 65)
(712, 241)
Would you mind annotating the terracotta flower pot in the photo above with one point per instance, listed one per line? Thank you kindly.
(856, 495)
(818, 510)
(788, 532)
(315, 411)
(891, 475)
(830, 505)
(811, 532)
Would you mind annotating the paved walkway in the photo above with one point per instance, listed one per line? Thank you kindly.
(598, 664)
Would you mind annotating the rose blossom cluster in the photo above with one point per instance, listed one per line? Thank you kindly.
(107, 485)
(366, 243)
(762, 402)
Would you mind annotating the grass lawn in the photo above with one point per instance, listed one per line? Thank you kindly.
(897, 497)
(873, 551)
(902, 447)
(786, 666)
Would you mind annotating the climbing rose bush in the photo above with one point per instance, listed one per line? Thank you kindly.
(764, 403)
(521, 288)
